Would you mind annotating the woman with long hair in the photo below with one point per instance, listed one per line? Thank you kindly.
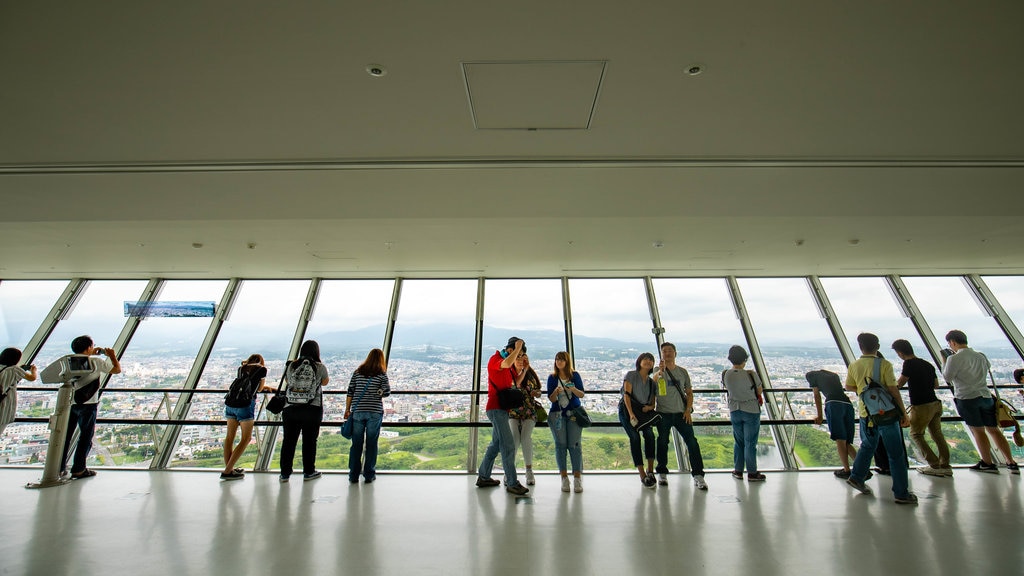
(10, 375)
(369, 385)
(565, 388)
(305, 378)
(522, 420)
(254, 371)
(638, 393)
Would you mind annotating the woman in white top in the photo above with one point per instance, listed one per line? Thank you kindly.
(10, 375)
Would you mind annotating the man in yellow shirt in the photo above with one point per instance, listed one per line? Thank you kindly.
(857, 376)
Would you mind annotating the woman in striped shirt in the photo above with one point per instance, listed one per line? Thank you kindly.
(368, 386)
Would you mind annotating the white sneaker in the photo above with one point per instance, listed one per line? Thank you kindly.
(529, 477)
(929, 471)
(663, 479)
(565, 483)
(577, 485)
(699, 482)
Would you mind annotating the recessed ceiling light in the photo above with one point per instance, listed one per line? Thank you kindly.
(376, 70)
(694, 69)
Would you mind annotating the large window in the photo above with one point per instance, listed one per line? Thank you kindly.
(99, 312)
(699, 318)
(23, 307)
(262, 321)
(432, 351)
(793, 337)
(1009, 290)
(160, 355)
(947, 304)
(349, 320)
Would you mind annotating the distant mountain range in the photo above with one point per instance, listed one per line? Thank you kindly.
(432, 340)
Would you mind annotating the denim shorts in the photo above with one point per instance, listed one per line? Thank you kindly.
(840, 420)
(977, 412)
(241, 414)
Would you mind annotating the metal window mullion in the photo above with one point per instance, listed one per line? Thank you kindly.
(567, 320)
(169, 441)
(783, 440)
(906, 302)
(988, 298)
(266, 451)
(389, 329)
(472, 448)
(72, 292)
(658, 330)
(829, 315)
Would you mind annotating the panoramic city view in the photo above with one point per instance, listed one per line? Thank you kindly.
(431, 361)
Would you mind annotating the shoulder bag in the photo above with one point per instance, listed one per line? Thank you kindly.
(346, 426)
(509, 398)
(278, 401)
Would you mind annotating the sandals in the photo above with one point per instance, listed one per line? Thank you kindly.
(83, 474)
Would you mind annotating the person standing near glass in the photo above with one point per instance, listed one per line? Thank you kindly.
(565, 389)
(501, 375)
(638, 394)
(243, 418)
(745, 398)
(369, 385)
(524, 419)
(10, 375)
(675, 404)
(305, 379)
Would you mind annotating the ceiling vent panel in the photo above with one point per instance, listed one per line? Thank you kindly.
(530, 95)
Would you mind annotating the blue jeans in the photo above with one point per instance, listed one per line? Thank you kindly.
(745, 427)
(892, 439)
(501, 441)
(634, 438)
(368, 424)
(665, 425)
(83, 416)
(568, 435)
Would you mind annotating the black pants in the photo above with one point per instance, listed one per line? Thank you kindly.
(305, 420)
(83, 417)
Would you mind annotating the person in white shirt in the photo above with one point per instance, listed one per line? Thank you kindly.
(10, 375)
(966, 370)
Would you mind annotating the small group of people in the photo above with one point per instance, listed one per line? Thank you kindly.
(964, 368)
(662, 400)
(301, 388)
(512, 428)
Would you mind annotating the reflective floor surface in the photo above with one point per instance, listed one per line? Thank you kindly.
(182, 522)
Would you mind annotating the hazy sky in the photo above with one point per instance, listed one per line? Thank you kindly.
(781, 309)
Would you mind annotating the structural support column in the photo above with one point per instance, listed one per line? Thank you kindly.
(567, 320)
(169, 441)
(682, 458)
(910, 310)
(473, 447)
(783, 440)
(990, 305)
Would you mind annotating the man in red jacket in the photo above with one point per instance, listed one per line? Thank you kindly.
(501, 374)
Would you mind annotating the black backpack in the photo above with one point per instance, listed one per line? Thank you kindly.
(242, 390)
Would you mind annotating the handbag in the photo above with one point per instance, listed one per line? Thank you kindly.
(644, 420)
(346, 426)
(278, 401)
(509, 398)
(542, 414)
(580, 416)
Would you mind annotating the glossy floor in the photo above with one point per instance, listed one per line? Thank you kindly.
(181, 522)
